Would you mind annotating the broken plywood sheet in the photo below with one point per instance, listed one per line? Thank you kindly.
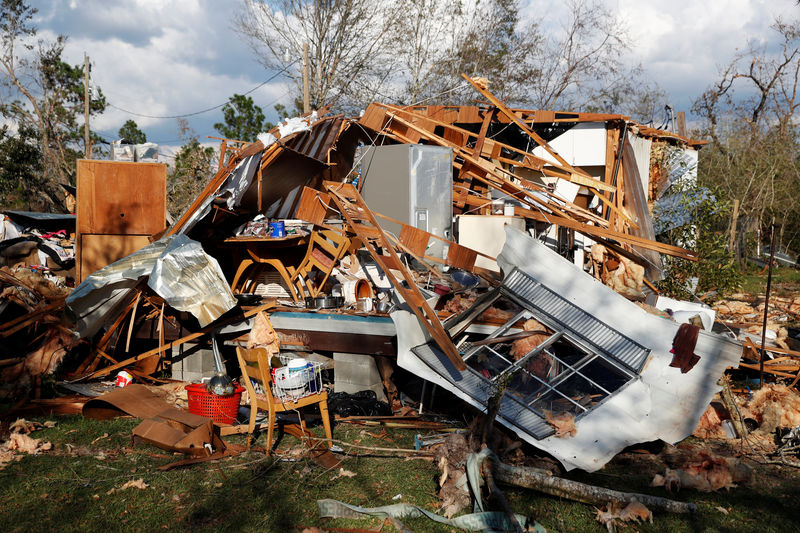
(658, 402)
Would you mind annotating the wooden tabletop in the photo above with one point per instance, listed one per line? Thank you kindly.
(256, 238)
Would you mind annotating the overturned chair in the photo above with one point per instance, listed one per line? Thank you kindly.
(255, 369)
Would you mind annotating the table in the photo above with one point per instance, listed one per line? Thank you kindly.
(262, 250)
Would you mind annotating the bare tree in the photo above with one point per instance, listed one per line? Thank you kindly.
(348, 56)
(42, 95)
(749, 115)
(579, 61)
(531, 63)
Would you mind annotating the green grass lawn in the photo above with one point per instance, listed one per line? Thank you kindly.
(785, 281)
(69, 489)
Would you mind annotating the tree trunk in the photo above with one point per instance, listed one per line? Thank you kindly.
(532, 478)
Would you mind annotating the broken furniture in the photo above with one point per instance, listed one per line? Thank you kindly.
(259, 251)
(255, 367)
(120, 206)
(325, 249)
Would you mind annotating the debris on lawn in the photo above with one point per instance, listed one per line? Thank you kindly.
(614, 514)
(132, 484)
(20, 442)
(704, 471)
(406, 268)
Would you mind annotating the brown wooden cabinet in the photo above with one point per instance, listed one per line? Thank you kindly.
(120, 205)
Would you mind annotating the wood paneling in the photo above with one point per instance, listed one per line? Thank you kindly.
(120, 204)
(98, 251)
(122, 198)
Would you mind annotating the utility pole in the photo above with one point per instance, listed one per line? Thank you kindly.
(87, 147)
(306, 97)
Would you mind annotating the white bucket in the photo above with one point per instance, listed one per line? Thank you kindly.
(297, 365)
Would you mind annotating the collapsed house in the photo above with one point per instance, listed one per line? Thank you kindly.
(454, 239)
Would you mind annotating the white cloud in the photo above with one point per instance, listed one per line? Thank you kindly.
(161, 58)
(681, 43)
(168, 57)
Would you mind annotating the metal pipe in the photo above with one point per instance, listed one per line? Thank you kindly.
(766, 305)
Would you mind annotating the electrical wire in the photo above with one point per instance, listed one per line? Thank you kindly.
(109, 104)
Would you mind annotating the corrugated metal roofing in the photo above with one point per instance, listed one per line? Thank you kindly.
(317, 142)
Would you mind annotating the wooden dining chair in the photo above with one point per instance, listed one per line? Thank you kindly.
(255, 369)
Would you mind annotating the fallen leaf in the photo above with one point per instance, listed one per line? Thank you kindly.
(135, 484)
(564, 424)
(132, 484)
(49, 424)
(104, 436)
(7, 457)
(95, 496)
(722, 510)
(23, 443)
(343, 473)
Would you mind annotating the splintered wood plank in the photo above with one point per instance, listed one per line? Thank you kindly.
(349, 201)
(429, 236)
(160, 349)
(524, 127)
(461, 257)
(595, 231)
(493, 175)
(313, 206)
(374, 118)
(455, 137)
(415, 239)
(493, 149)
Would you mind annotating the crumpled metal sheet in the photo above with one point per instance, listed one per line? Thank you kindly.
(191, 280)
(239, 180)
(100, 295)
(179, 270)
(658, 403)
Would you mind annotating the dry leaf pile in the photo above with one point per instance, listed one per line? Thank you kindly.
(705, 472)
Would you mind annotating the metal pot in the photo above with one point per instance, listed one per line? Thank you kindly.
(324, 302)
(221, 383)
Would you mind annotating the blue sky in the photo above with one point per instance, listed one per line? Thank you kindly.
(171, 57)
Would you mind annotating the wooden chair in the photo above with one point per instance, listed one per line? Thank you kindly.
(325, 249)
(255, 367)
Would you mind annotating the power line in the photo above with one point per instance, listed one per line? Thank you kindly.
(208, 109)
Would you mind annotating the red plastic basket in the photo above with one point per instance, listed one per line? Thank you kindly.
(220, 409)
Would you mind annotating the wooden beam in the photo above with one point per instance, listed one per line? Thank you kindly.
(529, 160)
(160, 349)
(524, 127)
(595, 231)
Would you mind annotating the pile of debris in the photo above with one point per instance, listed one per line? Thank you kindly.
(34, 341)
(538, 303)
